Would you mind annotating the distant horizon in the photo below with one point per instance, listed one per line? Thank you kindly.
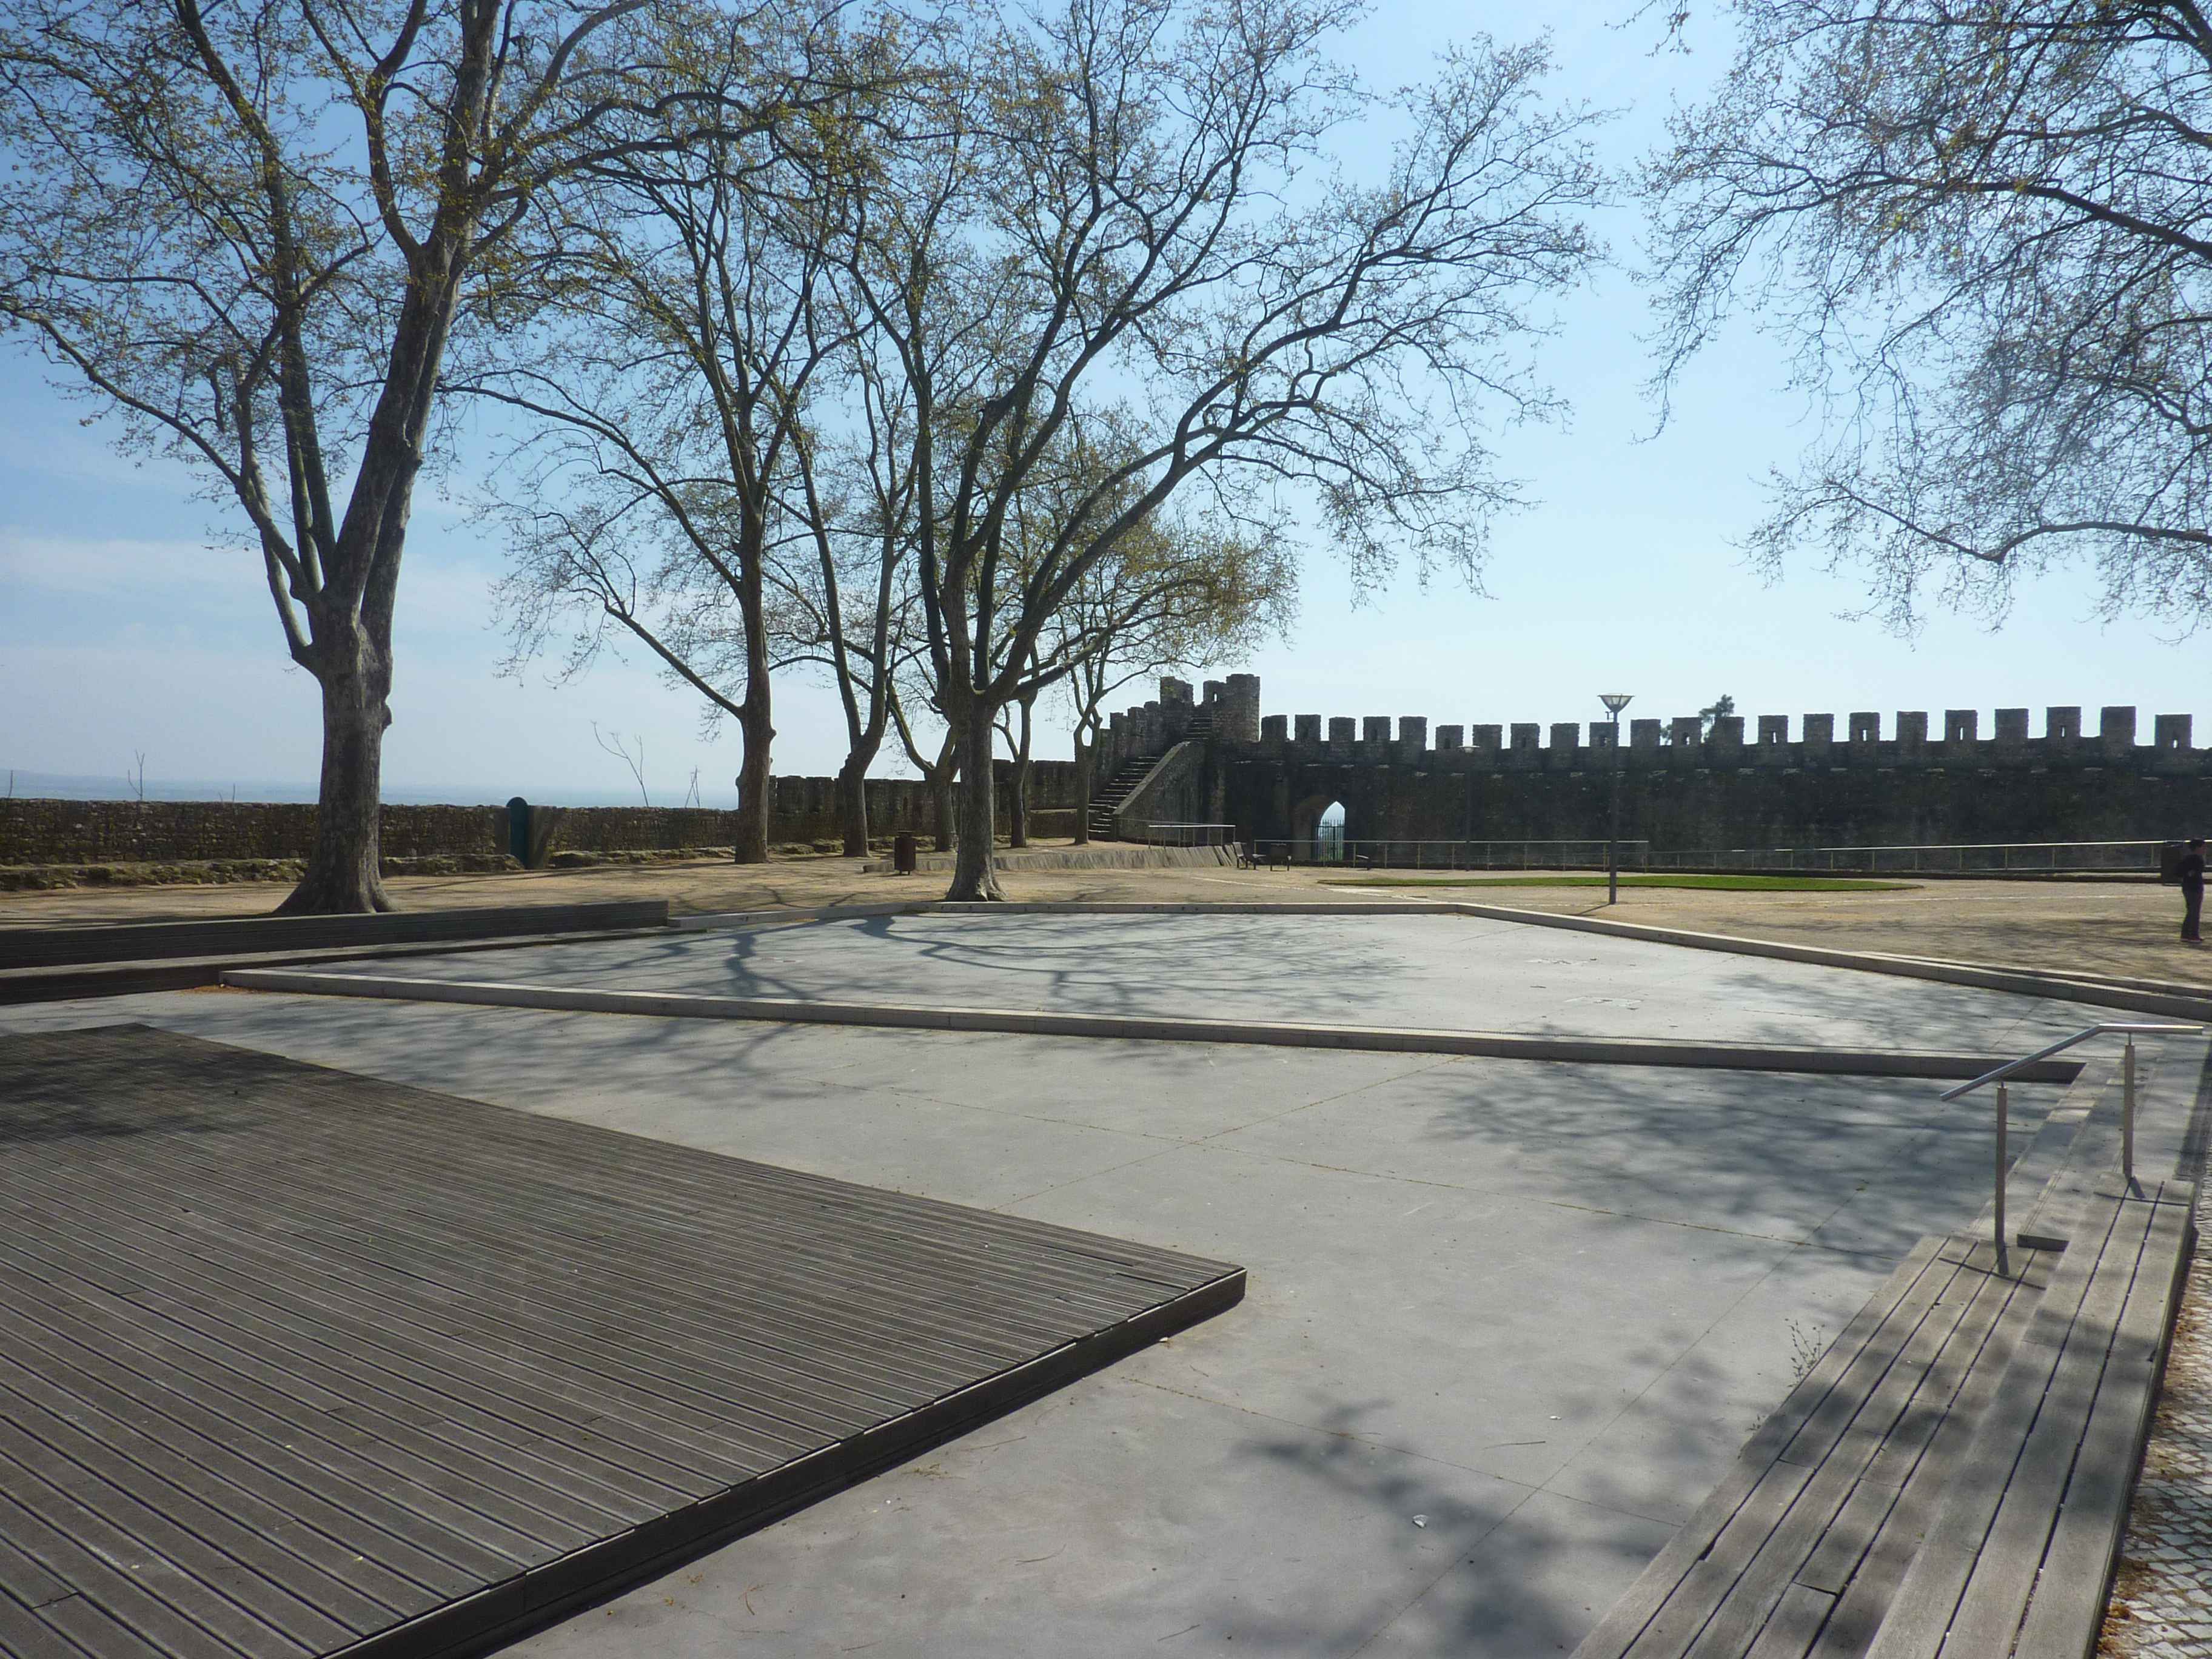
(94, 787)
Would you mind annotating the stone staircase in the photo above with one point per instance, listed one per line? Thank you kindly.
(1951, 1478)
(1099, 813)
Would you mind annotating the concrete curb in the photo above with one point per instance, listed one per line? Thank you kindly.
(2023, 982)
(123, 979)
(1503, 1045)
(2148, 996)
(711, 920)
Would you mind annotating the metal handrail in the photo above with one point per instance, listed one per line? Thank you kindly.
(2132, 1030)
(2064, 1043)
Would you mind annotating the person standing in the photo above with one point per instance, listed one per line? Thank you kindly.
(2192, 892)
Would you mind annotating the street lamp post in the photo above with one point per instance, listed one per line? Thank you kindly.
(1614, 702)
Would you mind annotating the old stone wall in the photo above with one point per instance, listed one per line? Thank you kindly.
(133, 832)
(1681, 789)
(150, 832)
(806, 808)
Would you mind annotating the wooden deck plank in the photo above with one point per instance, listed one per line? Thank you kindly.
(24, 1635)
(239, 1488)
(301, 1597)
(443, 1361)
(166, 1606)
(316, 1487)
(1999, 1304)
(1870, 1369)
(2003, 1576)
(1832, 1566)
(1769, 1575)
(1679, 1619)
(219, 1311)
(926, 1246)
(897, 1289)
(654, 1176)
(1796, 1625)
(660, 1320)
(267, 1411)
(292, 1361)
(2069, 1601)
(1969, 1377)
(1927, 1599)
(1628, 1616)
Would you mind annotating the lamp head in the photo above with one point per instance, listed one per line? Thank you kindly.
(1614, 702)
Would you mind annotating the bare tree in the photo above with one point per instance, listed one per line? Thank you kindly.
(250, 228)
(854, 601)
(939, 770)
(1124, 222)
(1168, 596)
(1980, 230)
(614, 744)
(679, 328)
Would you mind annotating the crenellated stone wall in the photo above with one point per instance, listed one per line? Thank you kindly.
(1768, 780)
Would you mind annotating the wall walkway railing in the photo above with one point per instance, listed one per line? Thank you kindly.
(1930, 859)
(1163, 834)
(1387, 854)
(1949, 857)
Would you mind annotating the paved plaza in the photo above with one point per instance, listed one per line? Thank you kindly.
(1433, 972)
(1506, 1321)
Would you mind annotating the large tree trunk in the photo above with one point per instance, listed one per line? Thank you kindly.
(1086, 758)
(973, 876)
(852, 797)
(1017, 809)
(940, 801)
(344, 876)
(755, 787)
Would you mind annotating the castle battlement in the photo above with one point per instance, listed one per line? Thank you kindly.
(1862, 779)
(1861, 739)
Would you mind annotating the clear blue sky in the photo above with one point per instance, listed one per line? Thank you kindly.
(132, 620)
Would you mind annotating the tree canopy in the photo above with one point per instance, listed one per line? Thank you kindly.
(1982, 231)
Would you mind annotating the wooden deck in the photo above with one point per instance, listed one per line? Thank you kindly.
(1950, 1479)
(294, 1362)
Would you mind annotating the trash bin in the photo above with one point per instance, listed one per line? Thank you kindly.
(902, 859)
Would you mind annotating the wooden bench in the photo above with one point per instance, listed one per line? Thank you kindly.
(1951, 1479)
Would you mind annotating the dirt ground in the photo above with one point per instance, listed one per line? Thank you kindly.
(2124, 928)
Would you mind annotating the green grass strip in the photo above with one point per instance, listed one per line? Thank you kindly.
(1709, 884)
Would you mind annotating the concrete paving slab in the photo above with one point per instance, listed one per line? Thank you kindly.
(1444, 971)
(1268, 1540)
(1782, 1156)
(1534, 1586)
(1432, 1320)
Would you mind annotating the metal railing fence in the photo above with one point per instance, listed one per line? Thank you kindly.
(1396, 854)
(1934, 857)
(1164, 833)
